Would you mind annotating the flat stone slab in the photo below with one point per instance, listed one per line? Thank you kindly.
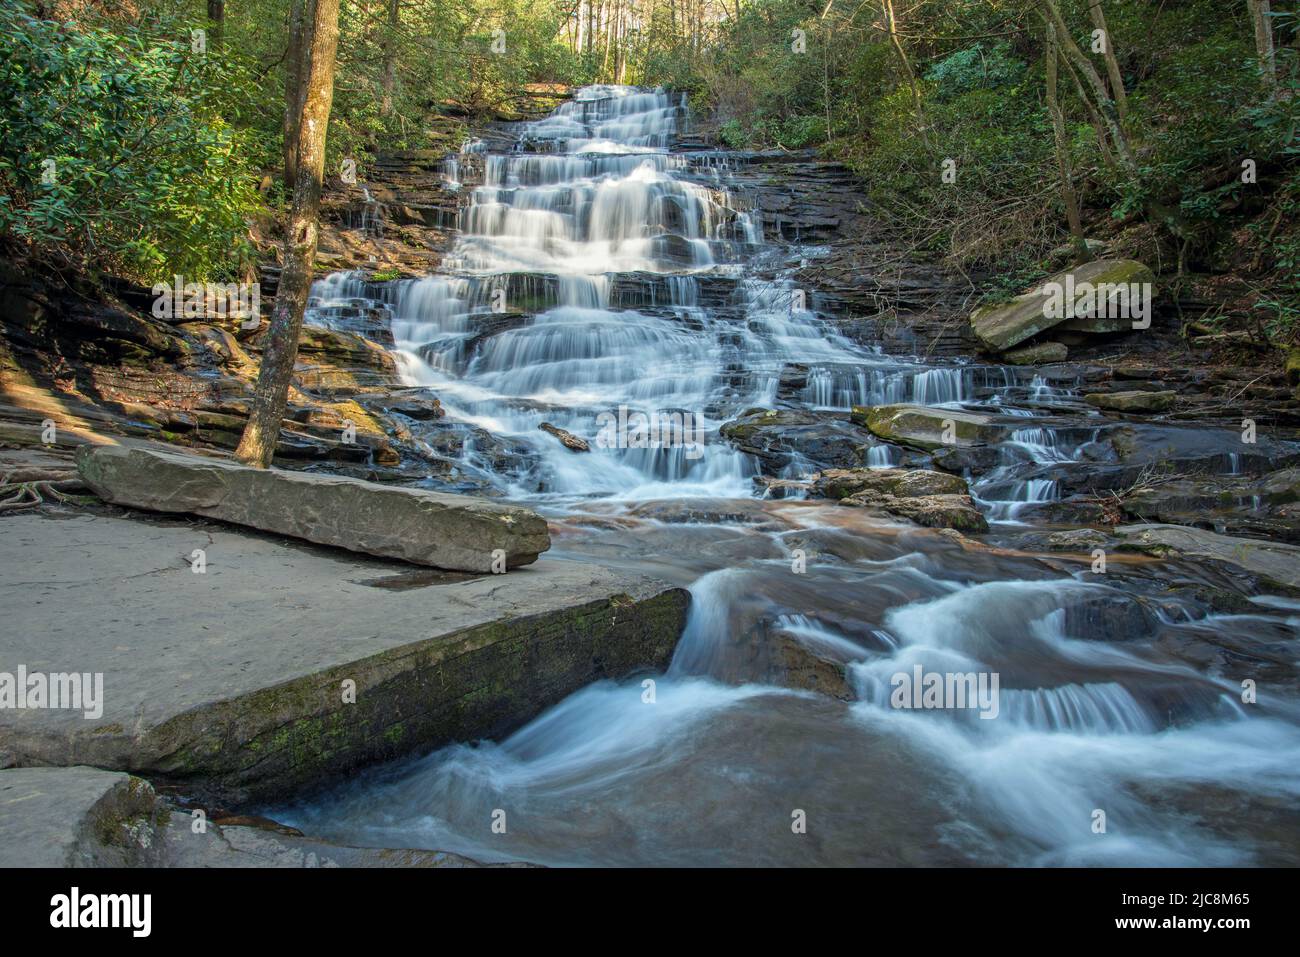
(927, 428)
(1275, 560)
(235, 681)
(429, 528)
(1135, 401)
(56, 817)
(1087, 296)
(86, 817)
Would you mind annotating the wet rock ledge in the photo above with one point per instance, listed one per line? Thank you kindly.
(85, 817)
(233, 685)
(455, 532)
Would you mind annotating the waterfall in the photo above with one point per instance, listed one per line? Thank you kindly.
(623, 291)
(571, 295)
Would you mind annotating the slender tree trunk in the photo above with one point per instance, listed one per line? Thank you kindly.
(389, 78)
(1263, 23)
(320, 41)
(294, 70)
(1068, 195)
(217, 15)
(887, 8)
(1098, 124)
(1112, 64)
(609, 42)
(618, 41)
(1105, 105)
(826, 81)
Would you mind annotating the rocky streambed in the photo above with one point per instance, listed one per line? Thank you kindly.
(871, 482)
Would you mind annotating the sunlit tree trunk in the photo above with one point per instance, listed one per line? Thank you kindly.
(619, 52)
(1105, 105)
(1098, 124)
(891, 24)
(299, 11)
(320, 43)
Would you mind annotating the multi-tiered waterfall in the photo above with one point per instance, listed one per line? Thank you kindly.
(592, 250)
(597, 270)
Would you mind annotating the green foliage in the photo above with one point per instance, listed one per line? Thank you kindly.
(157, 149)
(1011, 280)
(975, 68)
(1200, 117)
(1197, 108)
(143, 174)
(1278, 237)
(733, 134)
(442, 58)
(998, 146)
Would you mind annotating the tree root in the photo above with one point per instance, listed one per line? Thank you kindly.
(19, 475)
(18, 496)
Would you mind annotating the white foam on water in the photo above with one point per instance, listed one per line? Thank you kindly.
(609, 215)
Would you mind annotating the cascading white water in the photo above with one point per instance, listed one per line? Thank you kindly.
(572, 292)
(574, 289)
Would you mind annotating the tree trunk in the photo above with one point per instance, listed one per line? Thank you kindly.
(217, 15)
(1263, 23)
(389, 80)
(320, 43)
(1105, 105)
(1098, 124)
(294, 71)
(619, 46)
(887, 8)
(1112, 64)
(1068, 195)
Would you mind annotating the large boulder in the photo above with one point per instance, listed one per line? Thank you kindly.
(1039, 353)
(779, 437)
(927, 428)
(427, 528)
(232, 685)
(1272, 560)
(1003, 325)
(933, 499)
(905, 483)
(1136, 401)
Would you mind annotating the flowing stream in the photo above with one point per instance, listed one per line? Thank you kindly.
(616, 288)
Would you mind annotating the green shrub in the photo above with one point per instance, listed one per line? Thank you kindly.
(975, 68)
(733, 134)
(114, 155)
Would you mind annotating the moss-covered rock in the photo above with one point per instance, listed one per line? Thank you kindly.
(905, 483)
(927, 428)
(933, 499)
(1003, 325)
(1135, 401)
(1040, 353)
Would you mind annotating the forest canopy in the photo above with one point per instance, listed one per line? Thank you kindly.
(134, 146)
